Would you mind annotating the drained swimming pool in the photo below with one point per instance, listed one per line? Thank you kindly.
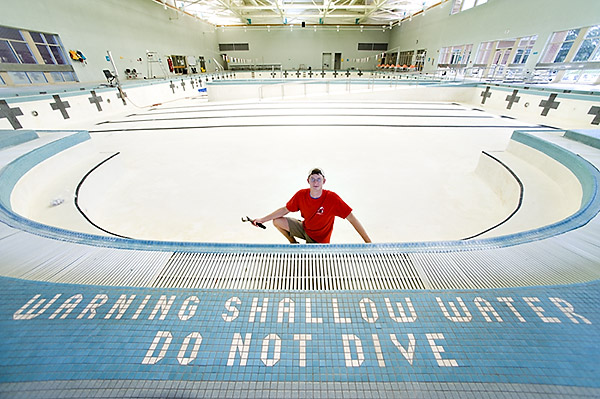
(411, 171)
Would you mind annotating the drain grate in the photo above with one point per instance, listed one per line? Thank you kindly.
(281, 271)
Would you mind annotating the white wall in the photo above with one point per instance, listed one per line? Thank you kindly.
(130, 27)
(494, 20)
(126, 27)
(303, 45)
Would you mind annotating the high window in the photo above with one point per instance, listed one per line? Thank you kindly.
(463, 5)
(559, 46)
(524, 49)
(13, 47)
(49, 48)
(484, 52)
(590, 47)
(21, 49)
(455, 55)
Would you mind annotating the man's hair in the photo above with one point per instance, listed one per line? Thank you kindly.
(316, 171)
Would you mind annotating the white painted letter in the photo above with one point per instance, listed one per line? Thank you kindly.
(438, 349)
(309, 318)
(409, 353)
(192, 310)
(286, 309)
(150, 359)
(403, 318)
(259, 309)
(184, 361)
(487, 307)
(231, 308)
(457, 318)
(350, 362)
(302, 338)
(508, 302)
(92, 306)
(164, 306)
(264, 356)
(237, 344)
(122, 305)
(30, 315)
(363, 310)
(378, 352)
(540, 311)
(67, 306)
(336, 313)
(569, 310)
(141, 307)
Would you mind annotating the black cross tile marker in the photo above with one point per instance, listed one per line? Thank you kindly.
(549, 104)
(485, 94)
(94, 99)
(513, 98)
(11, 114)
(595, 111)
(60, 105)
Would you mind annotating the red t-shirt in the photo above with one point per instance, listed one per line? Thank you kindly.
(318, 213)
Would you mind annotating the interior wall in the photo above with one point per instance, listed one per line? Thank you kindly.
(494, 20)
(297, 46)
(126, 28)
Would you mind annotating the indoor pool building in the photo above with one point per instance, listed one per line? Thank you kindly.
(139, 137)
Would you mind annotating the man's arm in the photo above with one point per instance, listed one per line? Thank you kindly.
(277, 214)
(358, 227)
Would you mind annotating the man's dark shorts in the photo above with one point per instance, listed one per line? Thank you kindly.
(297, 230)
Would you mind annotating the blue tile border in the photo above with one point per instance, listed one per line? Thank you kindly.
(531, 335)
(10, 138)
(589, 137)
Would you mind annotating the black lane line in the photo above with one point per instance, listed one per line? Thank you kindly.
(77, 197)
(521, 189)
(317, 125)
(283, 108)
(332, 105)
(292, 115)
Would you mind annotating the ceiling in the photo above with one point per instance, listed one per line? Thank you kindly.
(294, 12)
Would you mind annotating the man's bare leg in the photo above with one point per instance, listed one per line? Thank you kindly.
(284, 227)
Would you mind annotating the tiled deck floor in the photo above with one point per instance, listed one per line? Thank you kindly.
(93, 341)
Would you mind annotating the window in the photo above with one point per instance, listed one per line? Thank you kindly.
(37, 77)
(466, 4)
(234, 47)
(7, 55)
(590, 47)
(19, 78)
(49, 47)
(559, 46)
(463, 5)
(372, 46)
(35, 58)
(455, 55)
(483, 53)
(524, 49)
(13, 47)
(405, 57)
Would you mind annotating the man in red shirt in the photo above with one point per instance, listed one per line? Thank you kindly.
(319, 208)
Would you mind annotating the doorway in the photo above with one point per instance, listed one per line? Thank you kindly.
(326, 64)
(337, 62)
